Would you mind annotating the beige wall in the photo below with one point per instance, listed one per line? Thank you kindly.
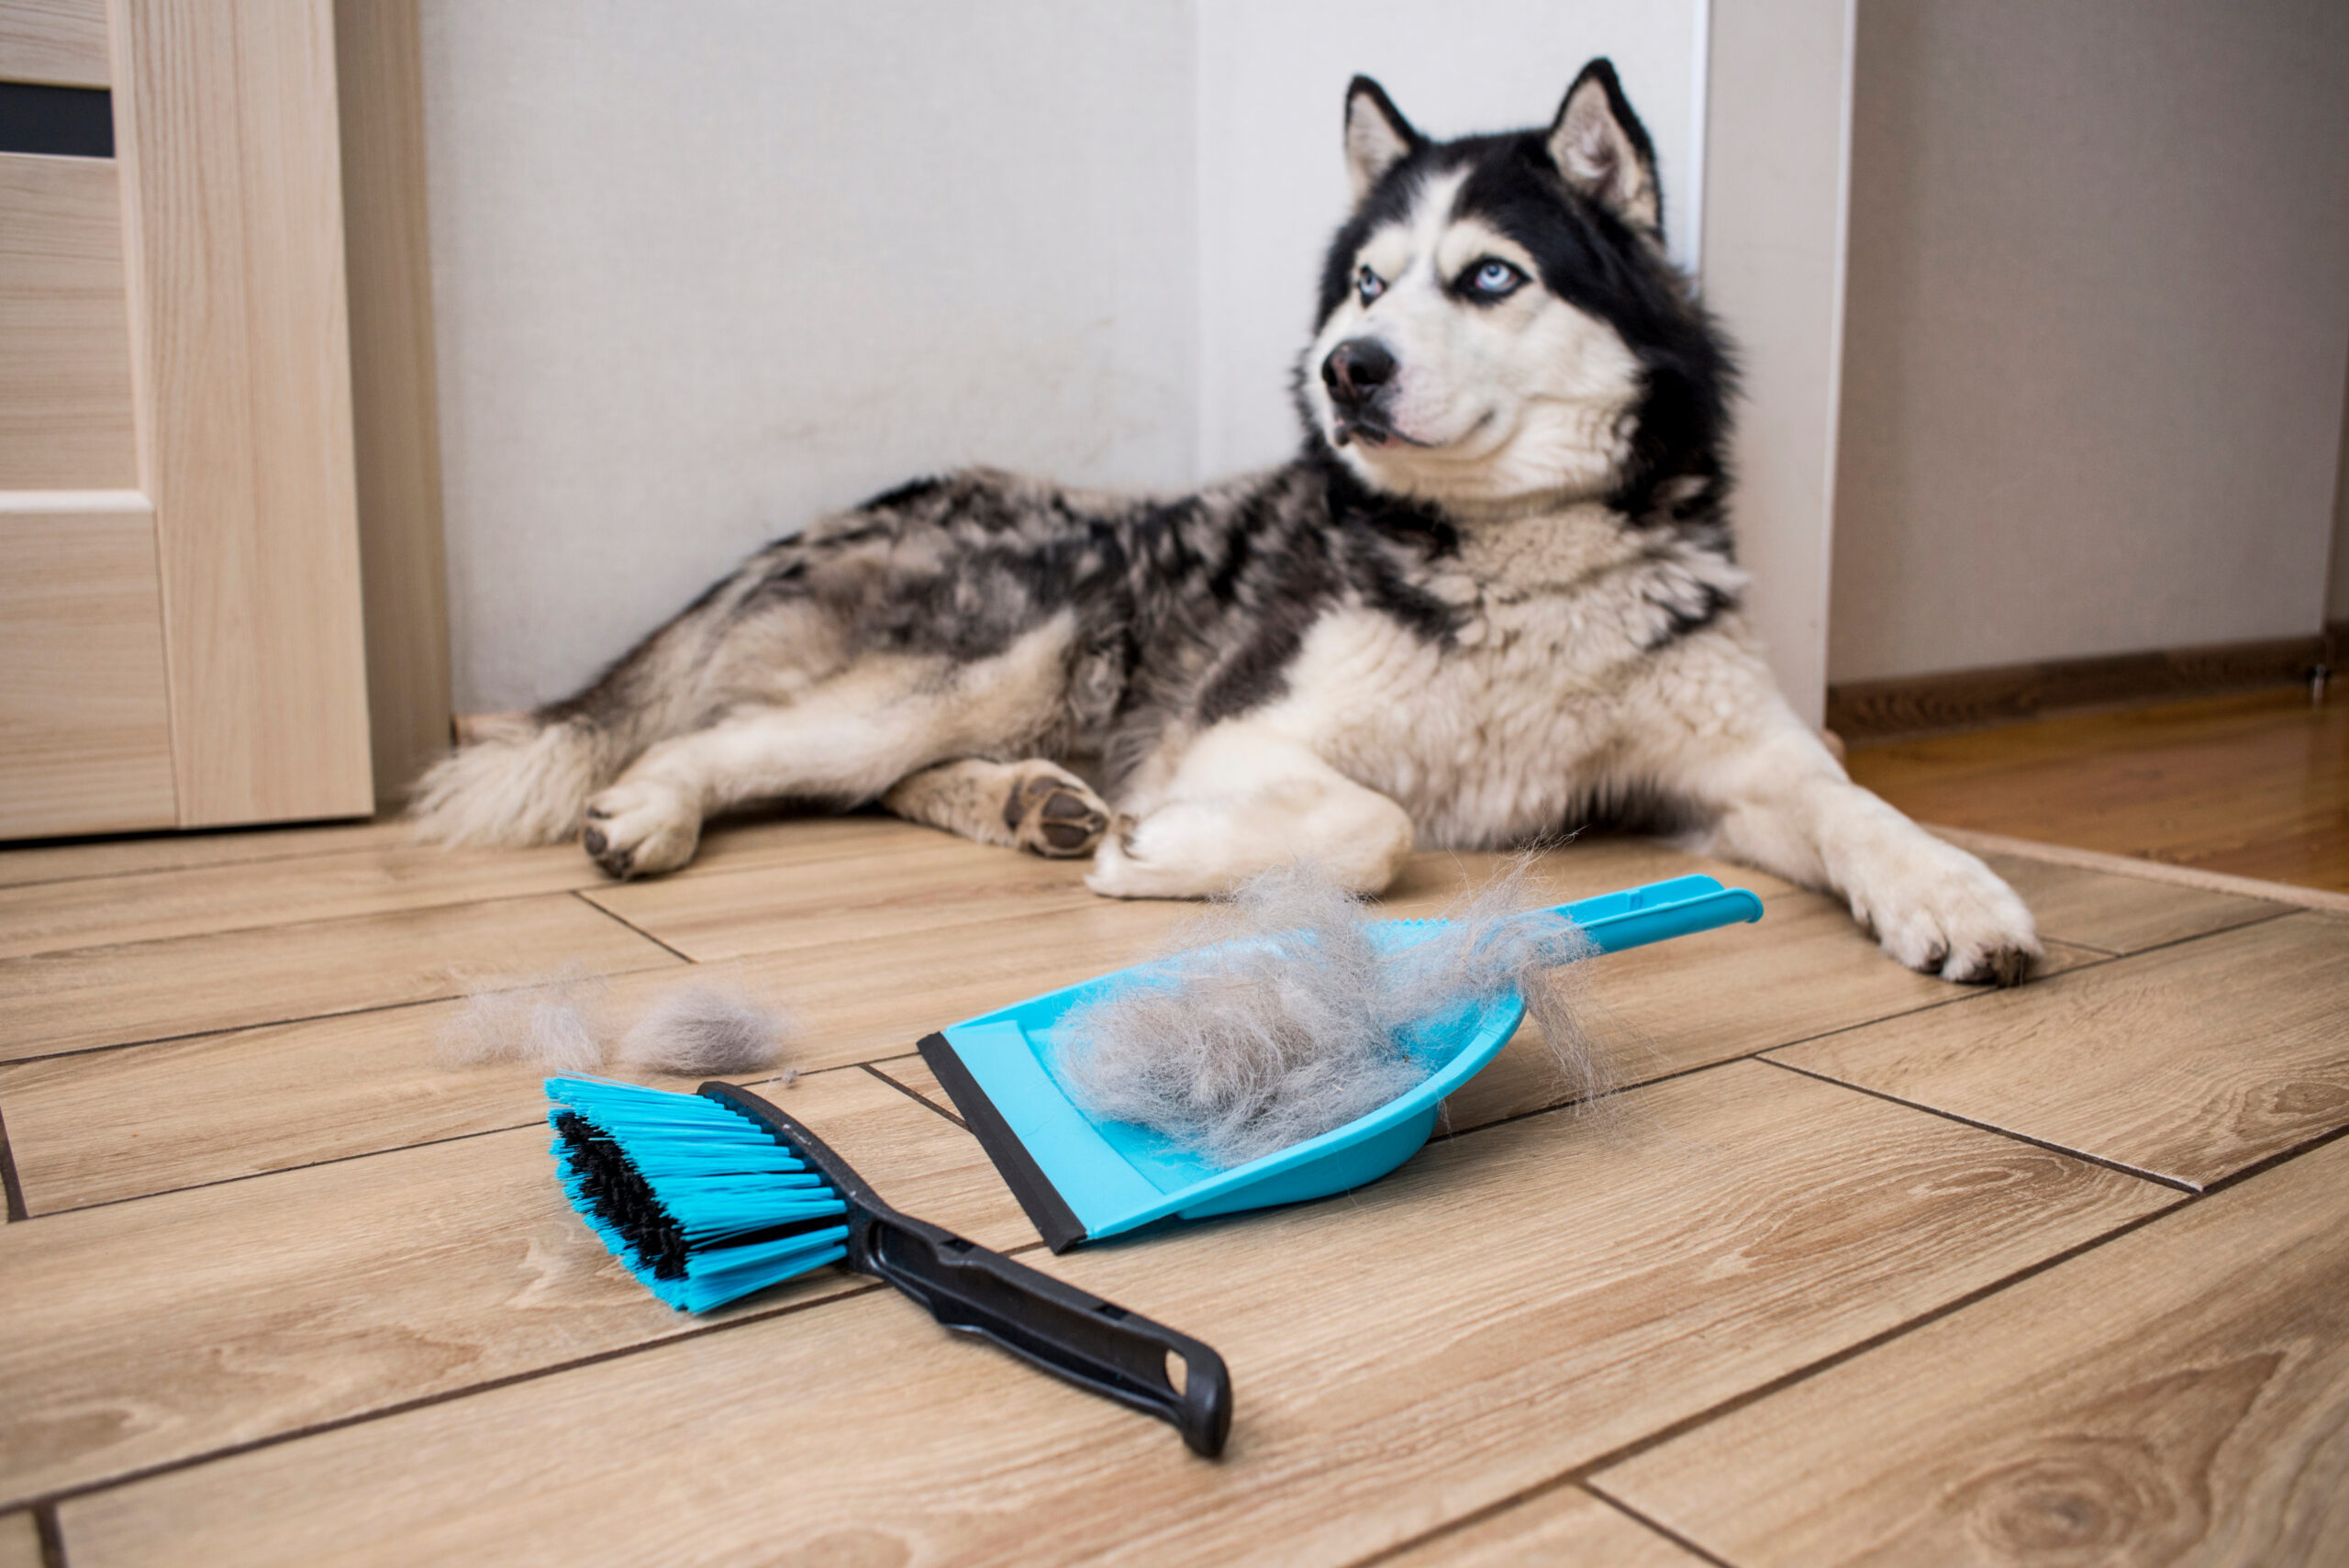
(2097, 330)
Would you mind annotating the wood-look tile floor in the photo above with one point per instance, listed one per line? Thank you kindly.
(1858, 1266)
(2255, 784)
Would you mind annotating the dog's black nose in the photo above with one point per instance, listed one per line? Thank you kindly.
(1355, 370)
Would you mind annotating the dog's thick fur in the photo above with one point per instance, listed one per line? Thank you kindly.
(1492, 598)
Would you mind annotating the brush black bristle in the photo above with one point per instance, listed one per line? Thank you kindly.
(704, 1203)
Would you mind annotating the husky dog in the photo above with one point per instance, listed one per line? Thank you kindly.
(1492, 598)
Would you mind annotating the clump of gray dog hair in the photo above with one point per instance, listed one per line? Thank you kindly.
(562, 1023)
(1296, 1022)
(554, 1022)
(707, 1029)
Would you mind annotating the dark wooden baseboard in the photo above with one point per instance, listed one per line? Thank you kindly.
(1862, 711)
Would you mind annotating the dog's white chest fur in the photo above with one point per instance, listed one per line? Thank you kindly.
(1496, 735)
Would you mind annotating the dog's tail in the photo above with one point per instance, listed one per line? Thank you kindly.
(523, 780)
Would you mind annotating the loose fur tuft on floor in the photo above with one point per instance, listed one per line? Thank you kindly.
(707, 1030)
(703, 1029)
(554, 1023)
(1298, 1022)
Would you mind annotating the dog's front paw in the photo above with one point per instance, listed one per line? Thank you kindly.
(1942, 912)
(1051, 813)
(640, 829)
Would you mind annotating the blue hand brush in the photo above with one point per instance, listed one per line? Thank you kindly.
(712, 1195)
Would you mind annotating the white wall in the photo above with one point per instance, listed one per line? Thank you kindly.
(701, 272)
(1273, 178)
(704, 270)
(2098, 330)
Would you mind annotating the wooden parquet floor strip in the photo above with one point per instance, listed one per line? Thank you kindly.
(101, 1127)
(2255, 784)
(154, 990)
(2174, 1396)
(1506, 1306)
(140, 906)
(2189, 1063)
(19, 1542)
(1563, 1528)
(148, 1333)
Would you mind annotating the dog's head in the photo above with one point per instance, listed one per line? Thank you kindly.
(1499, 322)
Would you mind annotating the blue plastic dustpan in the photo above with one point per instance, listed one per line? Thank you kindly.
(1079, 1178)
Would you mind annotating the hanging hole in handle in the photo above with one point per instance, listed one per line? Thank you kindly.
(1178, 1372)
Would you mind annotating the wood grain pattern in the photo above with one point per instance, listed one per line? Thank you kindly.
(2116, 914)
(2136, 867)
(230, 157)
(65, 388)
(394, 408)
(921, 886)
(1563, 1528)
(144, 1333)
(2256, 784)
(103, 1126)
(110, 996)
(149, 906)
(911, 1073)
(85, 732)
(2176, 1396)
(62, 42)
(1394, 1366)
(19, 1542)
(152, 1117)
(2191, 1062)
(1805, 970)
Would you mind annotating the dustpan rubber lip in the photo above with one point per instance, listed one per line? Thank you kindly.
(1050, 1214)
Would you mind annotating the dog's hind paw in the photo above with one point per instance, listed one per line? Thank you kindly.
(640, 829)
(1051, 813)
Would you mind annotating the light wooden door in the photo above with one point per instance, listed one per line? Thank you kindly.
(181, 638)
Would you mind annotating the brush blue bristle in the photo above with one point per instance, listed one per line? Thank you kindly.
(703, 1204)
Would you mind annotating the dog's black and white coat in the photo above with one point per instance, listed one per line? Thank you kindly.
(1492, 598)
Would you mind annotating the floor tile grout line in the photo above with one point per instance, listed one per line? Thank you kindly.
(51, 1534)
(521, 984)
(1673, 1536)
(474, 902)
(1586, 1472)
(157, 870)
(922, 1100)
(51, 1498)
(581, 895)
(2174, 1184)
(2281, 1157)
(10, 1184)
(393, 1148)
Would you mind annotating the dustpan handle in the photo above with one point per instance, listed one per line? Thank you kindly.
(1658, 911)
(1093, 1343)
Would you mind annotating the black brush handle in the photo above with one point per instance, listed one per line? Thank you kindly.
(1093, 1343)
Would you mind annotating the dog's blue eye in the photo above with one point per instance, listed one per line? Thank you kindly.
(1369, 284)
(1494, 279)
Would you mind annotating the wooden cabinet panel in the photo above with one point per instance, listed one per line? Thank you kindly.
(62, 42)
(85, 737)
(225, 133)
(66, 412)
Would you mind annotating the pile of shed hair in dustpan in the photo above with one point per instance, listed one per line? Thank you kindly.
(1300, 1020)
(1307, 1055)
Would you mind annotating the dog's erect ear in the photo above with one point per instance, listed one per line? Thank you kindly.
(1376, 134)
(1600, 147)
